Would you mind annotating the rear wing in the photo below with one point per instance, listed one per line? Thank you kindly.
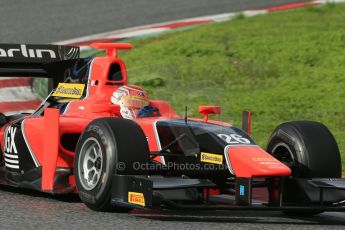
(30, 60)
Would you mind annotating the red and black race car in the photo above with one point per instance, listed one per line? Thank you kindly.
(102, 138)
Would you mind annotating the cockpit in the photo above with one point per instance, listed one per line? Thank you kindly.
(77, 73)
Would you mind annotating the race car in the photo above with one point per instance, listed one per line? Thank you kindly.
(103, 138)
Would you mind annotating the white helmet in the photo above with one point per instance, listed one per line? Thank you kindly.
(131, 99)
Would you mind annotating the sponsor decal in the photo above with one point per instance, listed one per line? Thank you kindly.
(140, 94)
(211, 158)
(267, 161)
(264, 159)
(10, 145)
(10, 149)
(27, 53)
(134, 101)
(136, 198)
(69, 90)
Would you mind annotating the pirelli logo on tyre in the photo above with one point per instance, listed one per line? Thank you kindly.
(69, 90)
(211, 158)
(136, 198)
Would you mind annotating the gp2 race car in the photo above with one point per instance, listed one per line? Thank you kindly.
(80, 140)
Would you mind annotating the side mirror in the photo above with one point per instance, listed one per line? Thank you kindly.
(246, 121)
(205, 110)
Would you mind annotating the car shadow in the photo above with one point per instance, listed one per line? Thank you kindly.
(263, 217)
(70, 198)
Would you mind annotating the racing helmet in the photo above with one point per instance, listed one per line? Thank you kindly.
(131, 100)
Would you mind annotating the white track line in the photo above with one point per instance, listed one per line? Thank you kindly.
(21, 93)
(18, 111)
(157, 28)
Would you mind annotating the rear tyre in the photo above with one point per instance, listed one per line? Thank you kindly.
(310, 150)
(107, 146)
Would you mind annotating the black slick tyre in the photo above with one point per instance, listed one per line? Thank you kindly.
(107, 146)
(310, 150)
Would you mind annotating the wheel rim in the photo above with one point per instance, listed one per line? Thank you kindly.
(283, 153)
(90, 163)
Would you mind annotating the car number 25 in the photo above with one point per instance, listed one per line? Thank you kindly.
(234, 139)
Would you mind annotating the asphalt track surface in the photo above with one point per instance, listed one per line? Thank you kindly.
(36, 21)
(29, 21)
(24, 209)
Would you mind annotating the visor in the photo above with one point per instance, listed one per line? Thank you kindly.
(134, 102)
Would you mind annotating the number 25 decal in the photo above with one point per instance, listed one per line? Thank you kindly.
(234, 139)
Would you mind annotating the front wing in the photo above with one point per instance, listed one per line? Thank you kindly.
(178, 193)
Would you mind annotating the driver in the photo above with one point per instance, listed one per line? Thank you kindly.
(133, 102)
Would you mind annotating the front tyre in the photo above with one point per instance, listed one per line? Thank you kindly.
(105, 148)
(310, 150)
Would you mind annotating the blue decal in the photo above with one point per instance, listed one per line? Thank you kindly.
(241, 190)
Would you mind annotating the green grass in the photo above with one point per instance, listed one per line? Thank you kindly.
(282, 66)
